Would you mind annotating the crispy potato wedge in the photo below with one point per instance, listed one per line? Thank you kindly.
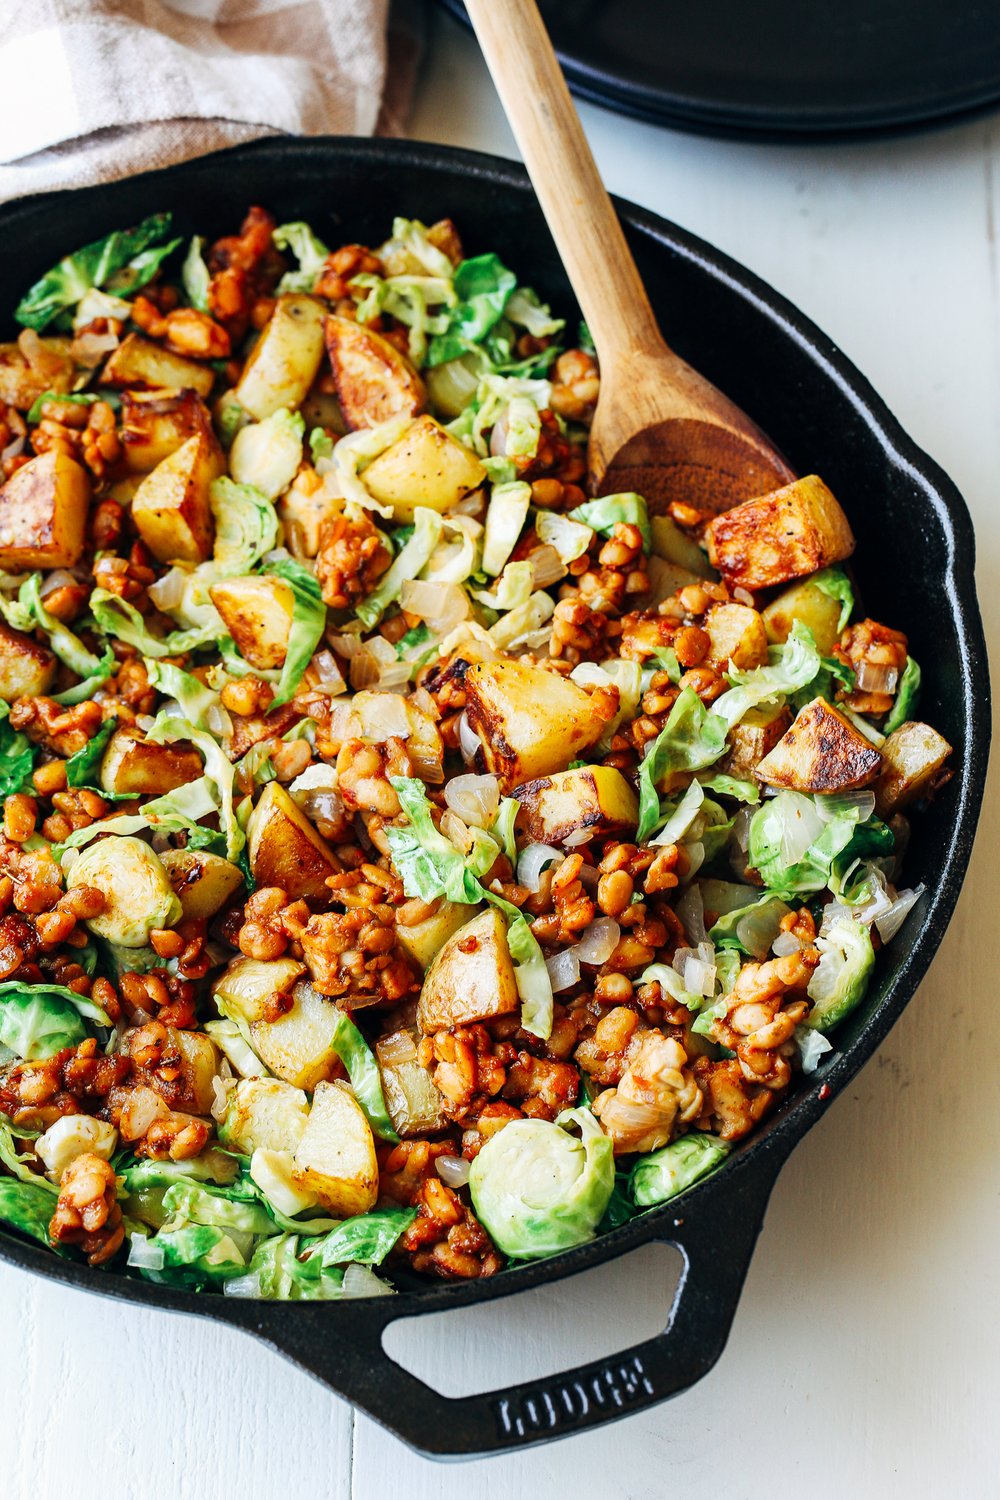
(817, 610)
(249, 988)
(284, 848)
(26, 668)
(202, 882)
(140, 362)
(426, 466)
(199, 1065)
(737, 635)
(530, 722)
(264, 1114)
(285, 360)
(155, 424)
(335, 1159)
(594, 797)
(665, 578)
(471, 979)
(43, 514)
(411, 1097)
(135, 765)
(913, 757)
(258, 612)
(821, 752)
(22, 383)
(790, 532)
(753, 737)
(374, 381)
(424, 940)
(298, 1046)
(171, 507)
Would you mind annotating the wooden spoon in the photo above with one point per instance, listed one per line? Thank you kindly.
(660, 428)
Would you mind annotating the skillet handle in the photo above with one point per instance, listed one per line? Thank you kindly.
(716, 1236)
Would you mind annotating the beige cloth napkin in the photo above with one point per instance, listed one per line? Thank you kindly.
(98, 89)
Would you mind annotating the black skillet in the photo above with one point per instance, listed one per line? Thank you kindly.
(780, 70)
(914, 559)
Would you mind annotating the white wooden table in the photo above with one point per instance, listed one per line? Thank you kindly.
(864, 1360)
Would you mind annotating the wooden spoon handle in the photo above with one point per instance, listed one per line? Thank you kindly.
(562, 169)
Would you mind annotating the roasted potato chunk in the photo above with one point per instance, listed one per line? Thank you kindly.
(335, 1159)
(43, 514)
(26, 668)
(140, 362)
(298, 1046)
(374, 381)
(136, 766)
(821, 752)
(665, 578)
(530, 722)
(753, 737)
(22, 383)
(411, 1097)
(812, 607)
(249, 988)
(155, 424)
(264, 1114)
(594, 797)
(792, 531)
(426, 466)
(202, 882)
(258, 612)
(199, 1066)
(171, 507)
(286, 358)
(472, 978)
(284, 848)
(737, 635)
(424, 940)
(913, 758)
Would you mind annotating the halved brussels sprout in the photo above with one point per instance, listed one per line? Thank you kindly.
(665, 1173)
(138, 896)
(538, 1189)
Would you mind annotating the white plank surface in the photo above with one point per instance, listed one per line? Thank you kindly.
(864, 1357)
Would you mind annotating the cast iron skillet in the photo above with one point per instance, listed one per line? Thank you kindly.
(915, 559)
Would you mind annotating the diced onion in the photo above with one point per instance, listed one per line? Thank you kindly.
(397, 1048)
(699, 977)
(59, 579)
(532, 861)
(218, 722)
(498, 437)
(377, 665)
(143, 1254)
(546, 567)
(784, 944)
(743, 596)
(889, 922)
(346, 645)
(168, 591)
(563, 969)
(327, 673)
(577, 837)
(598, 941)
(13, 449)
(442, 605)
(741, 828)
(759, 928)
(696, 857)
(474, 798)
(841, 804)
(691, 910)
(242, 1286)
(361, 1281)
(453, 1170)
(873, 678)
(468, 740)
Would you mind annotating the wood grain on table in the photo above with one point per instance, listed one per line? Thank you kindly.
(865, 1357)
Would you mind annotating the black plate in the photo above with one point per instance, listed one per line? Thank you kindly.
(915, 558)
(779, 69)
